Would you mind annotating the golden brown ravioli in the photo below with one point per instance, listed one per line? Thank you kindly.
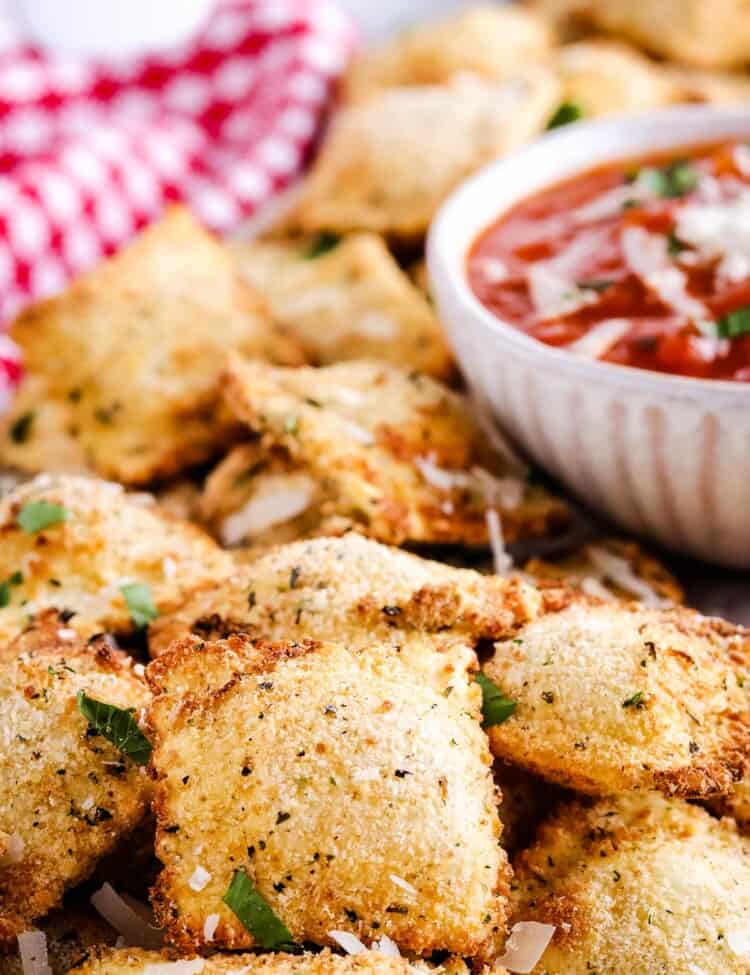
(713, 34)
(98, 541)
(388, 163)
(314, 801)
(367, 446)
(493, 42)
(351, 590)
(138, 345)
(67, 796)
(614, 697)
(605, 77)
(611, 568)
(347, 299)
(653, 884)
(134, 961)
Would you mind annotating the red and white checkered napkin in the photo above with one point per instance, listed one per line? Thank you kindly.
(91, 152)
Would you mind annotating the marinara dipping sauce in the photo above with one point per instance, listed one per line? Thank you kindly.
(643, 262)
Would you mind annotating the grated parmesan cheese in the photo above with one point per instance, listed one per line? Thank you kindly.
(186, 966)
(209, 926)
(492, 269)
(592, 586)
(600, 339)
(620, 572)
(279, 497)
(739, 942)
(125, 919)
(32, 947)
(386, 946)
(720, 231)
(348, 941)
(527, 943)
(403, 884)
(646, 256)
(502, 561)
(555, 295)
(199, 879)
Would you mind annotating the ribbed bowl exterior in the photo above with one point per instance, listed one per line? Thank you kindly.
(665, 457)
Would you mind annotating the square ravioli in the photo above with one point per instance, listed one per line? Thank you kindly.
(707, 35)
(139, 343)
(347, 299)
(108, 559)
(296, 784)
(490, 41)
(67, 796)
(604, 77)
(659, 883)
(135, 961)
(366, 446)
(350, 590)
(387, 164)
(614, 697)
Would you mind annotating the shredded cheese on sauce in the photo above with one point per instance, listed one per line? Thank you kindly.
(599, 340)
(719, 231)
(646, 256)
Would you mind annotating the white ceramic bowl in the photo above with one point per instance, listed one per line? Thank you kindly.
(664, 456)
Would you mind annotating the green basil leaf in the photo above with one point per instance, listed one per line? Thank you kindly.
(256, 915)
(140, 603)
(13, 580)
(566, 113)
(734, 324)
(38, 515)
(496, 707)
(322, 244)
(117, 725)
(671, 181)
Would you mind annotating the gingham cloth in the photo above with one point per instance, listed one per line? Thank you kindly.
(90, 152)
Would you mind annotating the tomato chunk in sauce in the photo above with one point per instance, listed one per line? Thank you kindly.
(641, 262)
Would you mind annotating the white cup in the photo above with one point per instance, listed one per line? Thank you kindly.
(107, 28)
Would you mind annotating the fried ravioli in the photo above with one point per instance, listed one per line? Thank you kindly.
(388, 163)
(67, 796)
(134, 961)
(138, 346)
(76, 544)
(637, 883)
(604, 77)
(350, 590)
(314, 802)
(611, 698)
(611, 569)
(347, 299)
(489, 41)
(364, 446)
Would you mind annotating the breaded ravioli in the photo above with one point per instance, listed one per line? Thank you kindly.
(109, 559)
(638, 884)
(71, 933)
(605, 77)
(387, 164)
(493, 42)
(611, 568)
(138, 346)
(67, 796)
(346, 299)
(332, 787)
(714, 34)
(617, 697)
(135, 961)
(350, 590)
(367, 446)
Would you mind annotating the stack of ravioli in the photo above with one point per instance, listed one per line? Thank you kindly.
(261, 713)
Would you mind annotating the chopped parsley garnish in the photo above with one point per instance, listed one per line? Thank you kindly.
(38, 515)
(734, 324)
(671, 181)
(117, 725)
(21, 428)
(634, 701)
(566, 113)
(256, 914)
(13, 580)
(140, 603)
(496, 707)
(322, 244)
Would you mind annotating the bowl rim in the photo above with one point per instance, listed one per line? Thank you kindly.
(447, 269)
